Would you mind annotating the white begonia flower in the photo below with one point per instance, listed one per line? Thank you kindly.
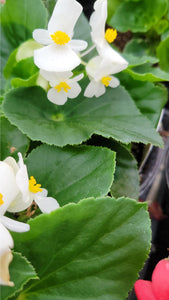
(60, 51)
(8, 192)
(99, 71)
(101, 38)
(28, 190)
(63, 86)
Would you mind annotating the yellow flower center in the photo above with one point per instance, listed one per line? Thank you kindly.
(110, 35)
(1, 201)
(60, 37)
(33, 186)
(62, 85)
(106, 80)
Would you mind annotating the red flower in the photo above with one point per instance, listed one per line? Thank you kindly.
(158, 288)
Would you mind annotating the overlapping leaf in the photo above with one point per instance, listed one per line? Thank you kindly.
(20, 18)
(138, 16)
(163, 54)
(149, 98)
(73, 173)
(126, 178)
(12, 140)
(148, 73)
(90, 250)
(111, 115)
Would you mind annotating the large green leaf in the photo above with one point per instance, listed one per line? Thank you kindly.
(126, 178)
(148, 97)
(138, 16)
(73, 173)
(138, 51)
(12, 140)
(111, 115)
(90, 250)
(21, 271)
(163, 54)
(20, 17)
(5, 50)
(148, 73)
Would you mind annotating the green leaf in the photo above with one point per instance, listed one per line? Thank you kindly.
(90, 250)
(20, 17)
(148, 73)
(21, 58)
(31, 81)
(138, 51)
(10, 64)
(5, 50)
(126, 178)
(149, 98)
(137, 60)
(163, 54)
(83, 29)
(162, 26)
(12, 140)
(21, 271)
(25, 68)
(73, 173)
(138, 16)
(49, 4)
(111, 115)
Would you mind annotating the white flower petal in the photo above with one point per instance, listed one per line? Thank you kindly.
(74, 91)
(114, 82)
(106, 68)
(78, 45)
(43, 193)
(100, 90)
(93, 65)
(56, 58)
(59, 98)
(64, 16)
(54, 78)
(42, 36)
(22, 179)
(8, 187)
(98, 20)
(99, 67)
(18, 204)
(5, 260)
(12, 163)
(106, 51)
(14, 225)
(46, 204)
(94, 89)
(78, 77)
(6, 243)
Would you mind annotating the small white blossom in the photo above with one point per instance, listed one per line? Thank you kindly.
(63, 86)
(99, 71)
(101, 39)
(29, 190)
(60, 53)
(8, 192)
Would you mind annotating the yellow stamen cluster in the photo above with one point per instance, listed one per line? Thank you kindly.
(60, 37)
(106, 80)
(33, 186)
(110, 35)
(62, 85)
(1, 201)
